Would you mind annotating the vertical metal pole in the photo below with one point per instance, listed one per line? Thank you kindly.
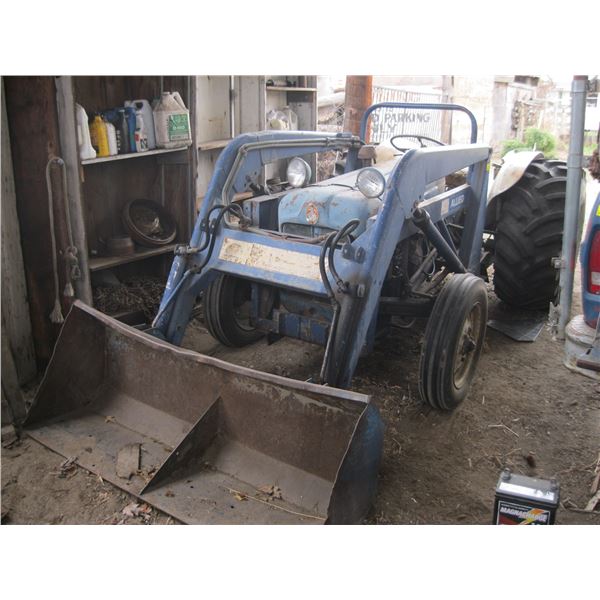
(571, 226)
(231, 106)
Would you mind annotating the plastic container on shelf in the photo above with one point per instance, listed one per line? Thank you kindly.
(276, 119)
(292, 118)
(111, 134)
(84, 143)
(284, 118)
(123, 129)
(130, 114)
(141, 137)
(99, 137)
(171, 121)
(143, 106)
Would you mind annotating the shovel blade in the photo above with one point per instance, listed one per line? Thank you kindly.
(218, 443)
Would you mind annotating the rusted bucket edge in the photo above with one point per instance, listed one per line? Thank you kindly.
(303, 386)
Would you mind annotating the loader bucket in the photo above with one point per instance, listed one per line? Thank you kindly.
(201, 439)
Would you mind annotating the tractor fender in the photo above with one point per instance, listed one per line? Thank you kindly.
(514, 165)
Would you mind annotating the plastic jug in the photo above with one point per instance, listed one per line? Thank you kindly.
(111, 134)
(99, 137)
(171, 121)
(123, 129)
(112, 116)
(130, 115)
(84, 143)
(141, 138)
(143, 107)
(292, 118)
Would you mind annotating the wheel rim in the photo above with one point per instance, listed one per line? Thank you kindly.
(241, 304)
(465, 353)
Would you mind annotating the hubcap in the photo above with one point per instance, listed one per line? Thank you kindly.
(466, 345)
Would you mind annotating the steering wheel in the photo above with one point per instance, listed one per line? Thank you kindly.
(420, 139)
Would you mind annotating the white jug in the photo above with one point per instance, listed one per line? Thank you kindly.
(111, 134)
(171, 121)
(84, 142)
(143, 106)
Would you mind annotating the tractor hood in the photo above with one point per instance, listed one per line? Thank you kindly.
(327, 206)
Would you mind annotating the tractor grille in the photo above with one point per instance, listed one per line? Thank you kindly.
(305, 230)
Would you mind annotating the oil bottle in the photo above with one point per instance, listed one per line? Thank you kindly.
(99, 136)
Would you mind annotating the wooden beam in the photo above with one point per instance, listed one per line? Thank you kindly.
(15, 306)
(359, 96)
(11, 391)
(70, 154)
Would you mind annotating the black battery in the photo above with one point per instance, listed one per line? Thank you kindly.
(522, 500)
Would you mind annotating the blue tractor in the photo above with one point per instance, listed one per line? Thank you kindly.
(335, 263)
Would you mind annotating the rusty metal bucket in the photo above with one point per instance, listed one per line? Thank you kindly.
(210, 442)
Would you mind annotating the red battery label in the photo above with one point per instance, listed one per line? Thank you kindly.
(519, 514)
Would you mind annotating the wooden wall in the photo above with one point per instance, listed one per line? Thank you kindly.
(31, 110)
(16, 324)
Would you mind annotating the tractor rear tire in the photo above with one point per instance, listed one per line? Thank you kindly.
(453, 341)
(528, 236)
(224, 304)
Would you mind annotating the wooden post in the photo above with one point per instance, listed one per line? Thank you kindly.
(447, 98)
(359, 96)
(15, 306)
(70, 154)
(11, 392)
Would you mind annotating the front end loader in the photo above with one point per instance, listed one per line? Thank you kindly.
(335, 263)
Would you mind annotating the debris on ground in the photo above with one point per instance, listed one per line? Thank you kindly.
(133, 509)
(270, 492)
(146, 475)
(239, 496)
(593, 503)
(10, 437)
(68, 468)
(128, 460)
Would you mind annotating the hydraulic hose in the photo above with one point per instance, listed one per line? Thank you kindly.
(209, 243)
(328, 250)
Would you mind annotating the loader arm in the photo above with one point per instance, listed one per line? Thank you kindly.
(268, 258)
(405, 191)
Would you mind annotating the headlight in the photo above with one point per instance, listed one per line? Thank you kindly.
(370, 182)
(298, 172)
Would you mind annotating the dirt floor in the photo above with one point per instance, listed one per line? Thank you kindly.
(525, 411)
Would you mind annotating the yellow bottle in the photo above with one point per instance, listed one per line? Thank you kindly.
(99, 136)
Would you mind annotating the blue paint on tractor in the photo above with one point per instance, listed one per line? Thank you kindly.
(328, 206)
(280, 261)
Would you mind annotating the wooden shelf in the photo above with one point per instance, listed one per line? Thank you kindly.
(106, 262)
(213, 144)
(276, 88)
(93, 161)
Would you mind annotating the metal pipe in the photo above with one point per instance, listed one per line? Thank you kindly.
(231, 106)
(571, 225)
(423, 221)
(441, 225)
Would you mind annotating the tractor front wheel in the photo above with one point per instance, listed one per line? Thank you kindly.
(227, 311)
(453, 341)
